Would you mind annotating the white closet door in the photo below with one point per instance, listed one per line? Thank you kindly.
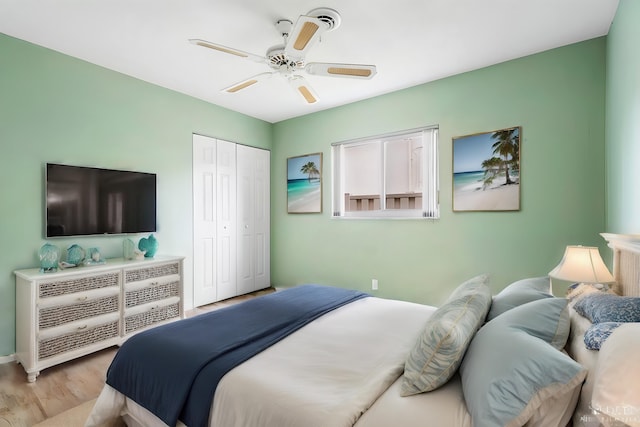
(226, 220)
(204, 220)
(262, 220)
(231, 219)
(253, 169)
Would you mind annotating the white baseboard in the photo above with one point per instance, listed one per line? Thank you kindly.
(7, 359)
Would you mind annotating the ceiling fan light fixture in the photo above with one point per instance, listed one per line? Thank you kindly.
(288, 58)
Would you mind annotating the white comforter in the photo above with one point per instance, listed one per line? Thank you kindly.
(326, 374)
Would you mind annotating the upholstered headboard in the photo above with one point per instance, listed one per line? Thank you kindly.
(626, 262)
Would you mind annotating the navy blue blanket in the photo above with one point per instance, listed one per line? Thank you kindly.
(173, 370)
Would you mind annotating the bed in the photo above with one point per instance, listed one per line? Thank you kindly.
(516, 358)
(610, 395)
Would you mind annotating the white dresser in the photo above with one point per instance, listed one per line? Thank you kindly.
(74, 312)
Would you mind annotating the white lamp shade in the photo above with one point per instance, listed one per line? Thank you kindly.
(582, 264)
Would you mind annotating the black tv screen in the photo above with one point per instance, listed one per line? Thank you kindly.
(88, 201)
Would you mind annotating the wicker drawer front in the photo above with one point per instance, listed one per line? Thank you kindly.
(151, 272)
(146, 318)
(74, 340)
(82, 284)
(155, 292)
(55, 316)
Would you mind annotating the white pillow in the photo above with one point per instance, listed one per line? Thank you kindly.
(616, 377)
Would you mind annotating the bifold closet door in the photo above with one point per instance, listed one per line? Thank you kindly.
(226, 221)
(253, 180)
(204, 220)
(231, 219)
(214, 220)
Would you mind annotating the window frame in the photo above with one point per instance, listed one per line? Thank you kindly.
(430, 177)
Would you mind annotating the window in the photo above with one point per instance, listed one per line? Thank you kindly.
(388, 176)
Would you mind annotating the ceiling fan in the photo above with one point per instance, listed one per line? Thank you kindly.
(287, 59)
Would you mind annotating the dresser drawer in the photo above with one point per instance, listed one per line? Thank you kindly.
(155, 291)
(49, 317)
(145, 273)
(151, 315)
(82, 336)
(79, 284)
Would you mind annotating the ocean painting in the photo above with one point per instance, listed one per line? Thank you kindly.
(304, 184)
(486, 171)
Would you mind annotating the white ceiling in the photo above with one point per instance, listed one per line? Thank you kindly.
(410, 41)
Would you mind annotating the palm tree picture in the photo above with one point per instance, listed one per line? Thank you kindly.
(507, 145)
(311, 170)
(486, 171)
(304, 183)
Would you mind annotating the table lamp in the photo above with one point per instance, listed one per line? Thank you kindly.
(582, 264)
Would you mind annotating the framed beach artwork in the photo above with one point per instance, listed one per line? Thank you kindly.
(486, 171)
(304, 183)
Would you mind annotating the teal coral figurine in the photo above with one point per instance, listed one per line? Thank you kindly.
(149, 245)
(49, 258)
(75, 254)
(128, 249)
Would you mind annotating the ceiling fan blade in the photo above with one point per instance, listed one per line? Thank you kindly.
(358, 71)
(305, 33)
(229, 50)
(247, 82)
(303, 88)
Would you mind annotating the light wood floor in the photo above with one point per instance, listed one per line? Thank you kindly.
(64, 386)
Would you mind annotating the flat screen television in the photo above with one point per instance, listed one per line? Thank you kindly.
(91, 201)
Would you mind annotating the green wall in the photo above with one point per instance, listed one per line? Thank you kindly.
(54, 108)
(623, 120)
(557, 97)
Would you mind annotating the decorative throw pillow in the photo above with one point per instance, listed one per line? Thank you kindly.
(598, 333)
(600, 307)
(518, 293)
(513, 366)
(438, 352)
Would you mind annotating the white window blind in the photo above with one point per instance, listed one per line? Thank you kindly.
(388, 176)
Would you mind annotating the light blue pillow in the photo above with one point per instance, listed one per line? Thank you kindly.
(514, 365)
(598, 333)
(600, 307)
(518, 293)
(439, 350)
